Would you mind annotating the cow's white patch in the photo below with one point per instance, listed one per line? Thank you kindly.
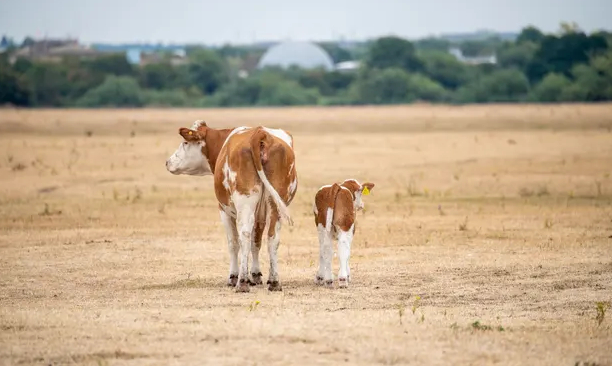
(325, 186)
(329, 217)
(236, 130)
(228, 210)
(281, 206)
(293, 186)
(291, 168)
(229, 176)
(189, 159)
(281, 134)
(358, 203)
(197, 124)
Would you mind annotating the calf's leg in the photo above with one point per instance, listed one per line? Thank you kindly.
(345, 239)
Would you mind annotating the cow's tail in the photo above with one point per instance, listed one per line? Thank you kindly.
(333, 193)
(260, 146)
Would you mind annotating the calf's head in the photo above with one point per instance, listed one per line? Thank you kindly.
(358, 190)
(191, 156)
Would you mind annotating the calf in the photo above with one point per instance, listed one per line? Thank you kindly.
(335, 210)
(255, 179)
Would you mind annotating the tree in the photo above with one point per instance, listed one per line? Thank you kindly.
(530, 34)
(551, 88)
(115, 91)
(561, 54)
(394, 85)
(50, 84)
(593, 82)
(383, 86)
(13, 88)
(163, 76)
(433, 44)
(444, 68)
(393, 52)
(500, 86)
(517, 55)
(207, 71)
(337, 53)
(113, 64)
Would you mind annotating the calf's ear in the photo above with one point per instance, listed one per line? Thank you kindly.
(190, 135)
(366, 188)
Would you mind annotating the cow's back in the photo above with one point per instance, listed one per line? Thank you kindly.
(236, 171)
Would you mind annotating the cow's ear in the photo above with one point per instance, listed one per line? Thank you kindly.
(366, 188)
(190, 135)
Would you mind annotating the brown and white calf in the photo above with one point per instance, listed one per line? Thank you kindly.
(255, 180)
(335, 211)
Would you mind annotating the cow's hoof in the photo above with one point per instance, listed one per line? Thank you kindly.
(319, 280)
(233, 280)
(342, 283)
(256, 279)
(329, 283)
(243, 286)
(274, 286)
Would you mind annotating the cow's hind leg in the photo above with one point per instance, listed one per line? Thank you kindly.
(257, 236)
(245, 222)
(229, 224)
(345, 239)
(273, 243)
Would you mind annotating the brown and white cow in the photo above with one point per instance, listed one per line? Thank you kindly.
(335, 211)
(255, 179)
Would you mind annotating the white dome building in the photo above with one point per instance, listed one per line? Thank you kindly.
(305, 55)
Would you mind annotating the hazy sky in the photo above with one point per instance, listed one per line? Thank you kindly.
(235, 21)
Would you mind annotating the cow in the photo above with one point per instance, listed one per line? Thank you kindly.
(335, 211)
(255, 180)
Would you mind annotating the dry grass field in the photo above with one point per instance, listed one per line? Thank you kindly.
(487, 240)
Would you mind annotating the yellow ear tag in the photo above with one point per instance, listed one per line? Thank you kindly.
(366, 191)
(190, 132)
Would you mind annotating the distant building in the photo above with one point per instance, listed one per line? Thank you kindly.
(305, 55)
(137, 56)
(474, 60)
(175, 58)
(54, 50)
(347, 65)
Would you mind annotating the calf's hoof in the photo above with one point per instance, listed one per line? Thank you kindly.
(243, 286)
(342, 282)
(233, 280)
(274, 286)
(319, 280)
(256, 279)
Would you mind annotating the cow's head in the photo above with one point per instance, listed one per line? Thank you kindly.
(358, 190)
(190, 157)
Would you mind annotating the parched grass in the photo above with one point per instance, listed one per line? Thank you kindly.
(485, 212)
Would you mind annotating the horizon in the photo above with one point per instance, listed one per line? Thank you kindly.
(239, 23)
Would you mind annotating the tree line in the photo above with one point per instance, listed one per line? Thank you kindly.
(568, 66)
